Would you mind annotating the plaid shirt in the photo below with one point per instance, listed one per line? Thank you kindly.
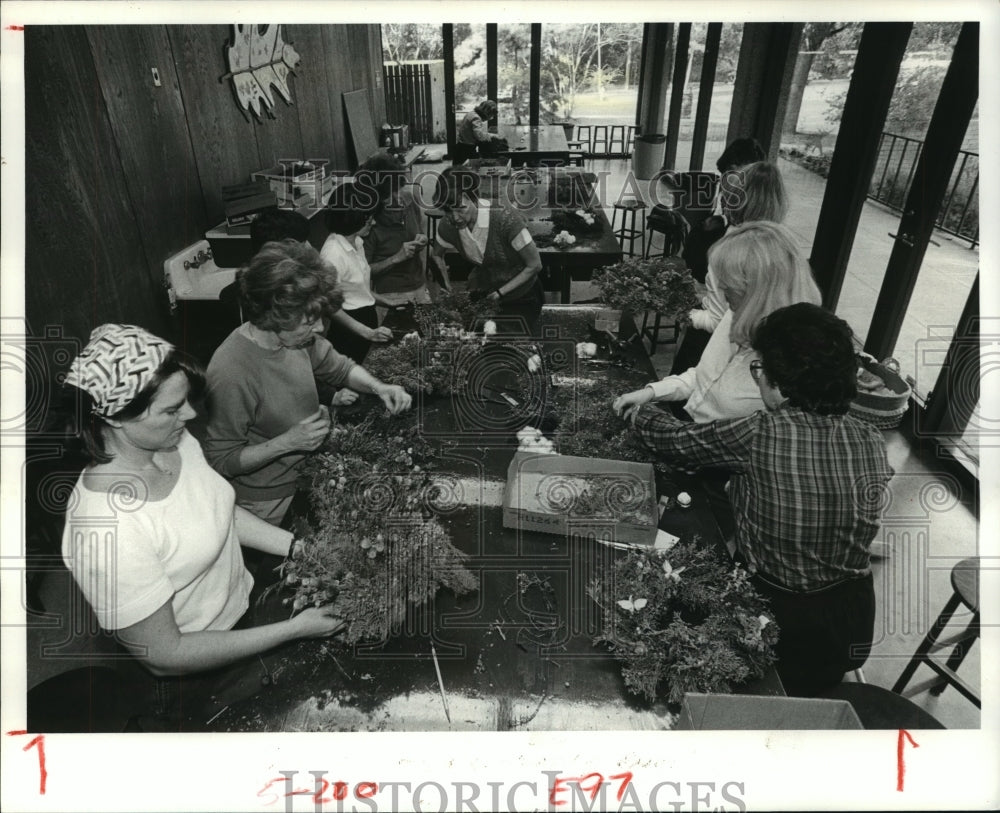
(807, 489)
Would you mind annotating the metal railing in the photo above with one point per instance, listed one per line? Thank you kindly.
(897, 160)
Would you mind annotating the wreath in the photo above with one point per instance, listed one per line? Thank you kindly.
(377, 548)
(660, 284)
(683, 620)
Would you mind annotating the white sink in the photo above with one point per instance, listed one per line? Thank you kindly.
(202, 279)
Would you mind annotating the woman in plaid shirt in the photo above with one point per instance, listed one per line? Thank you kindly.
(807, 489)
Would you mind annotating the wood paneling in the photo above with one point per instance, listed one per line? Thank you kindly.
(279, 134)
(336, 44)
(84, 261)
(312, 99)
(121, 174)
(151, 133)
(224, 143)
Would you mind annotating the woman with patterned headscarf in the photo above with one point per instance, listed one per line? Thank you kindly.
(152, 532)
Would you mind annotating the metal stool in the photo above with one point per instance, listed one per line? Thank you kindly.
(600, 137)
(617, 138)
(629, 139)
(627, 230)
(576, 153)
(583, 136)
(965, 583)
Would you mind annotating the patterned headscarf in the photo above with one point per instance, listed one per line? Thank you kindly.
(118, 362)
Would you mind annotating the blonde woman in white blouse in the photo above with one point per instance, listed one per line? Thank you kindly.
(758, 269)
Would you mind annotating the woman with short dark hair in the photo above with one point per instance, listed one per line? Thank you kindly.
(264, 413)
(394, 243)
(152, 533)
(495, 239)
(353, 327)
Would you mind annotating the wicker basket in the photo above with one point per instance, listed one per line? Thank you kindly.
(884, 410)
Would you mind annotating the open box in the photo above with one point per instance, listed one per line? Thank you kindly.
(544, 493)
(714, 712)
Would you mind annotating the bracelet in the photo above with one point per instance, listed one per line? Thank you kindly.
(498, 292)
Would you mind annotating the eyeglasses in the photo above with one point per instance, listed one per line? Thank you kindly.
(756, 369)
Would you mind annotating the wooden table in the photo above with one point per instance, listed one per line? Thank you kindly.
(535, 146)
(517, 654)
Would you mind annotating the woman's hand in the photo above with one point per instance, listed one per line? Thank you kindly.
(379, 334)
(317, 622)
(406, 252)
(307, 434)
(344, 397)
(628, 404)
(394, 397)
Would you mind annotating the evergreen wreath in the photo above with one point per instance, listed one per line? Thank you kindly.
(683, 621)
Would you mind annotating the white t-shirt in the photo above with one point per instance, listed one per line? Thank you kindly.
(131, 555)
(354, 275)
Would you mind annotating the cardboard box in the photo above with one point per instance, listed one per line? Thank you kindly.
(715, 712)
(559, 477)
(295, 184)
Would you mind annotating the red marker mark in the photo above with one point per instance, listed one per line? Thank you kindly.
(43, 774)
(900, 764)
(15, 28)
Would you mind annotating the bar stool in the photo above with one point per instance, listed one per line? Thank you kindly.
(583, 136)
(600, 137)
(651, 330)
(617, 138)
(576, 153)
(671, 225)
(629, 139)
(627, 231)
(965, 584)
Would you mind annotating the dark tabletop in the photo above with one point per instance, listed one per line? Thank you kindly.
(518, 653)
(535, 144)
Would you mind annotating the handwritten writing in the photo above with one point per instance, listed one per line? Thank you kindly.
(39, 743)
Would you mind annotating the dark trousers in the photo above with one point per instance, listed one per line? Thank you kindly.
(823, 633)
(689, 351)
(522, 314)
(347, 342)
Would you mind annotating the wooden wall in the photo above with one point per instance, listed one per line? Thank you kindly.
(121, 174)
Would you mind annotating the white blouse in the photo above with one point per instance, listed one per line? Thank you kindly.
(720, 386)
(354, 275)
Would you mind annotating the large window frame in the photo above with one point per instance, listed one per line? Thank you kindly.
(767, 57)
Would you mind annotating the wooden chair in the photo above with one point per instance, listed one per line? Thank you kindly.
(600, 138)
(617, 140)
(965, 585)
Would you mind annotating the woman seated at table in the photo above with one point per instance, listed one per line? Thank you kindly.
(264, 414)
(758, 269)
(163, 565)
(394, 243)
(354, 326)
(474, 138)
(752, 192)
(495, 239)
